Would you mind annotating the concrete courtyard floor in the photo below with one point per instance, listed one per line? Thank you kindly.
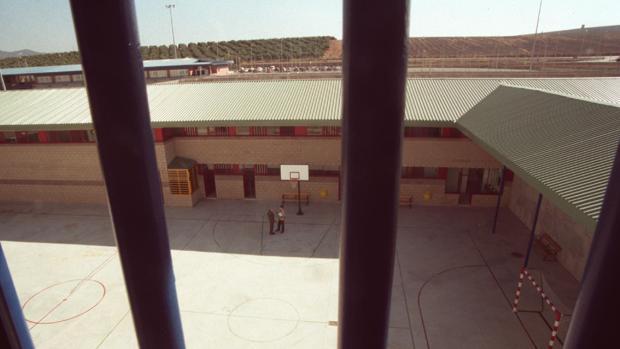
(240, 287)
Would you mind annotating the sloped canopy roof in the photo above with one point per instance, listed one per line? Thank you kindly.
(562, 146)
(429, 102)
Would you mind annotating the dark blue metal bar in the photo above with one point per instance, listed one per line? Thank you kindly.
(374, 75)
(107, 37)
(499, 198)
(532, 233)
(14, 333)
(595, 318)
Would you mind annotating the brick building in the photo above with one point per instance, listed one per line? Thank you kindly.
(226, 140)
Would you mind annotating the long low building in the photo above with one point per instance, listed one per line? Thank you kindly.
(226, 140)
(70, 75)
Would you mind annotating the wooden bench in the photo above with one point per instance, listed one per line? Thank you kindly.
(305, 196)
(406, 200)
(550, 247)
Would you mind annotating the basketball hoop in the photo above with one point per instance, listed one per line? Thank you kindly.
(295, 174)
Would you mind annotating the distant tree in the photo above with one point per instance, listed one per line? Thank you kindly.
(163, 52)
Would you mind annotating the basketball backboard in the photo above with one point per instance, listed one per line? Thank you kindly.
(294, 173)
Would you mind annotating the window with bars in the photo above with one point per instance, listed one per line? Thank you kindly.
(314, 131)
(243, 131)
(258, 131)
(62, 78)
(420, 172)
(267, 170)
(286, 131)
(490, 181)
(156, 74)
(190, 131)
(331, 131)
(44, 79)
(226, 169)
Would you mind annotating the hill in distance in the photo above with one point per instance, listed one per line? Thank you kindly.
(595, 41)
(20, 53)
(303, 48)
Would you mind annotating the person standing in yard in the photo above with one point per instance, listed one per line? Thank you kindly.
(281, 218)
(272, 218)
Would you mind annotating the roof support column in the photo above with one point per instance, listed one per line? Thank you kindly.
(594, 322)
(375, 37)
(116, 89)
(499, 197)
(532, 233)
(2, 85)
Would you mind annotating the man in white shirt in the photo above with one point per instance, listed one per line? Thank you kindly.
(281, 218)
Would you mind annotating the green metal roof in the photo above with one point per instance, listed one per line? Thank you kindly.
(430, 102)
(562, 146)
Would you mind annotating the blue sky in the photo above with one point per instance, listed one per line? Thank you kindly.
(45, 25)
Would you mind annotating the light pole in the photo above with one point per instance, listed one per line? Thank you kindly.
(535, 33)
(170, 7)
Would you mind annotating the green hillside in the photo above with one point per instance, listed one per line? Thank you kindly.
(243, 50)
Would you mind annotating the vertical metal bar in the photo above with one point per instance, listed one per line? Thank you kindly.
(374, 68)
(499, 198)
(532, 233)
(594, 322)
(14, 333)
(107, 37)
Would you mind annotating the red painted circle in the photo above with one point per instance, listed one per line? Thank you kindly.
(79, 282)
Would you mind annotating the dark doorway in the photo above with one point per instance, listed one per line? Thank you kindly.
(249, 185)
(209, 182)
(474, 181)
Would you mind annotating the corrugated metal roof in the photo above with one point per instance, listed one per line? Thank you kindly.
(430, 102)
(77, 68)
(562, 146)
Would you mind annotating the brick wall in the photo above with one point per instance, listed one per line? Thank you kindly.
(51, 173)
(74, 166)
(430, 152)
(265, 150)
(446, 152)
(490, 200)
(49, 162)
(94, 194)
(272, 188)
(574, 238)
(435, 187)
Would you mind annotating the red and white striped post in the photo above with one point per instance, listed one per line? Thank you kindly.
(557, 314)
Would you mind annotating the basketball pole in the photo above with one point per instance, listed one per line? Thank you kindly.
(299, 211)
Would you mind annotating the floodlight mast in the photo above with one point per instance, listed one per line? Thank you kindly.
(170, 7)
(535, 34)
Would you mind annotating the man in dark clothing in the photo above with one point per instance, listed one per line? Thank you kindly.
(272, 218)
(281, 217)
